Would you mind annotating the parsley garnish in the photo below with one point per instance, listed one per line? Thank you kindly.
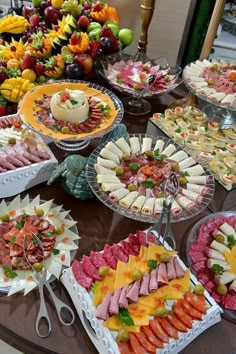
(48, 234)
(73, 102)
(206, 129)
(149, 183)
(13, 239)
(156, 152)
(152, 263)
(36, 239)
(125, 317)
(10, 273)
(133, 166)
(28, 150)
(105, 108)
(213, 153)
(55, 128)
(20, 264)
(20, 224)
(94, 286)
(186, 173)
(55, 251)
(218, 269)
(231, 241)
(178, 130)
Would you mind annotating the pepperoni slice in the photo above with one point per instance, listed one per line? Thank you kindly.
(145, 342)
(168, 328)
(80, 275)
(197, 301)
(135, 345)
(151, 337)
(175, 322)
(158, 331)
(125, 348)
(190, 310)
(183, 317)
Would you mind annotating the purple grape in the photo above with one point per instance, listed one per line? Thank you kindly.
(106, 45)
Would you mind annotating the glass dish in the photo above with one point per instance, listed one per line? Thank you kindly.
(70, 141)
(149, 79)
(53, 264)
(192, 237)
(103, 196)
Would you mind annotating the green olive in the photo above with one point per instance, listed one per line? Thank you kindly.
(125, 157)
(4, 218)
(119, 170)
(183, 181)
(59, 230)
(164, 257)
(12, 141)
(160, 195)
(214, 67)
(123, 334)
(211, 81)
(103, 271)
(65, 130)
(39, 212)
(199, 289)
(161, 312)
(38, 267)
(132, 187)
(221, 289)
(136, 274)
(219, 238)
(175, 166)
(148, 153)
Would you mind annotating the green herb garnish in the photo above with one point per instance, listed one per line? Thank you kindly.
(13, 239)
(178, 130)
(218, 269)
(133, 166)
(186, 173)
(36, 239)
(156, 152)
(28, 150)
(20, 224)
(20, 264)
(10, 273)
(94, 286)
(55, 251)
(149, 183)
(152, 263)
(48, 234)
(55, 128)
(231, 241)
(125, 317)
(73, 102)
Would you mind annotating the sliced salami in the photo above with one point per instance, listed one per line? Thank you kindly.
(198, 246)
(127, 248)
(205, 276)
(109, 257)
(199, 266)
(119, 253)
(197, 256)
(210, 285)
(90, 269)
(230, 302)
(97, 259)
(80, 275)
(134, 243)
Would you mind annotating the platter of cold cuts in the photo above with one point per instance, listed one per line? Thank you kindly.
(138, 295)
(34, 235)
(211, 252)
(129, 177)
(212, 81)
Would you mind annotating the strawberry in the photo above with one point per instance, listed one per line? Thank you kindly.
(39, 69)
(3, 63)
(94, 45)
(28, 61)
(34, 20)
(115, 44)
(97, 6)
(75, 39)
(106, 32)
(86, 6)
(83, 21)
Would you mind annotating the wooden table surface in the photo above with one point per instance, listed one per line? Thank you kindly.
(97, 225)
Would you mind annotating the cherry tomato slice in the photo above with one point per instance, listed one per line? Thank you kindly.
(183, 317)
(175, 322)
(151, 337)
(190, 310)
(168, 328)
(158, 331)
(197, 301)
(145, 342)
(135, 344)
(125, 347)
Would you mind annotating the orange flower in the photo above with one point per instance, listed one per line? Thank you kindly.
(102, 15)
(81, 43)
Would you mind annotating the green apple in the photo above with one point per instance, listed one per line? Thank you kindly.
(36, 3)
(126, 36)
(94, 34)
(114, 27)
(92, 26)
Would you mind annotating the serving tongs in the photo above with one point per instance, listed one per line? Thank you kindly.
(40, 277)
(171, 187)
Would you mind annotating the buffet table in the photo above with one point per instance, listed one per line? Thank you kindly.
(97, 225)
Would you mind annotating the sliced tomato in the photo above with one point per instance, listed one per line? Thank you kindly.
(168, 328)
(158, 331)
(145, 342)
(183, 317)
(148, 170)
(125, 347)
(151, 337)
(197, 301)
(176, 323)
(135, 344)
(190, 310)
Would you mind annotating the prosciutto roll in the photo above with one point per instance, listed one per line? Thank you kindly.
(146, 144)
(158, 206)
(162, 274)
(114, 149)
(138, 203)
(133, 294)
(106, 154)
(114, 306)
(169, 150)
(197, 179)
(118, 194)
(106, 163)
(123, 145)
(179, 156)
(103, 170)
(111, 187)
(128, 199)
(159, 145)
(135, 145)
(153, 285)
(102, 309)
(229, 100)
(196, 170)
(148, 206)
(196, 85)
(215, 254)
(188, 162)
(175, 208)
(216, 97)
(144, 287)
(184, 202)
(195, 197)
(197, 188)
(205, 91)
(107, 179)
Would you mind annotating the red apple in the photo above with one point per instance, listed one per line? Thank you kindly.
(51, 15)
(85, 61)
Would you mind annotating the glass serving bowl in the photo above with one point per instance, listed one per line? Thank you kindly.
(138, 77)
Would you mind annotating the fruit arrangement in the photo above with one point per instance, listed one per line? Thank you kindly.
(55, 39)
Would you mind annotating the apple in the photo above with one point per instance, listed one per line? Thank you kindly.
(93, 25)
(85, 61)
(94, 34)
(36, 3)
(114, 27)
(28, 10)
(126, 36)
(51, 15)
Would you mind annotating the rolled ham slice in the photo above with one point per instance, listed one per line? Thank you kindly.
(146, 145)
(135, 145)
(171, 273)
(5, 164)
(102, 309)
(205, 91)
(123, 301)
(188, 162)
(133, 293)
(216, 97)
(106, 154)
(127, 201)
(195, 197)
(107, 179)
(169, 150)
(158, 206)
(111, 187)
(138, 203)
(179, 156)
(153, 285)
(229, 100)
(103, 170)
(197, 179)
(118, 194)
(184, 202)
(196, 170)
(114, 149)
(106, 163)
(175, 208)
(159, 145)
(114, 306)
(123, 145)
(148, 206)
(197, 188)
(180, 272)
(144, 287)
(162, 274)
(197, 85)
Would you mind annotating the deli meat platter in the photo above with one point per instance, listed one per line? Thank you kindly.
(25, 159)
(139, 294)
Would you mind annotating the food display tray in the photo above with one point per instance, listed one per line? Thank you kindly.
(104, 339)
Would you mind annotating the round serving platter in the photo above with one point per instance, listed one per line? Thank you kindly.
(104, 196)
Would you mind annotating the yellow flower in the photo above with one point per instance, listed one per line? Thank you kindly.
(12, 50)
(231, 259)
